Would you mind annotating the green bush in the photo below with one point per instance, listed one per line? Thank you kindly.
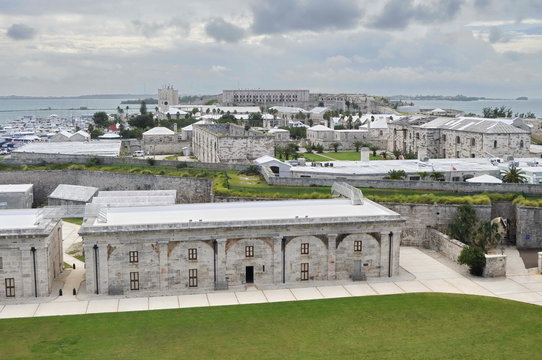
(151, 161)
(474, 258)
(181, 165)
(251, 170)
(94, 161)
(76, 167)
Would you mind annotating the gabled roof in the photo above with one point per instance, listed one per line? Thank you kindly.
(320, 128)
(159, 130)
(83, 133)
(318, 110)
(273, 131)
(487, 126)
(485, 179)
(74, 192)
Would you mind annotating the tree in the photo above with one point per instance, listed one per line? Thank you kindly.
(227, 118)
(437, 176)
(423, 174)
(143, 108)
(319, 148)
(335, 146)
(487, 236)
(514, 175)
(255, 119)
(384, 155)
(279, 151)
(374, 149)
(462, 226)
(101, 119)
(142, 121)
(396, 175)
(474, 258)
(358, 144)
(291, 150)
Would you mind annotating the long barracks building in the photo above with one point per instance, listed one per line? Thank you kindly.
(200, 247)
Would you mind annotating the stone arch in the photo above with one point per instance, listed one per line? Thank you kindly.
(347, 259)
(316, 258)
(261, 261)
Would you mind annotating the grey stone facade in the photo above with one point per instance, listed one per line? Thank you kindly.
(30, 254)
(234, 253)
(228, 143)
(16, 196)
(267, 97)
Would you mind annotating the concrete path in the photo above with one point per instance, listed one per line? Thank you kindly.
(420, 273)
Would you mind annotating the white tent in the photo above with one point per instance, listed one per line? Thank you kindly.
(485, 179)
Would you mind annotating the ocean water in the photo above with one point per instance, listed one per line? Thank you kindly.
(517, 106)
(11, 109)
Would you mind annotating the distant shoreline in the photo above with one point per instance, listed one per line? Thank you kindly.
(97, 96)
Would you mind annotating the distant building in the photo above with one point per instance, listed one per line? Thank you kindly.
(16, 196)
(229, 143)
(322, 135)
(264, 97)
(30, 253)
(282, 136)
(167, 96)
(161, 140)
(461, 137)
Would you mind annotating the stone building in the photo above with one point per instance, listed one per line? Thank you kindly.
(281, 136)
(199, 247)
(229, 143)
(322, 135)
(161, 140)
(264, 97)
(30, 253)
(65, 194)
(16, 196)
(167, 96)
(461, 137)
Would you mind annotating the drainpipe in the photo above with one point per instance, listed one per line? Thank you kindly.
(95, 247)
(33, 249)
(214, 259)
(283, 248)
(390, 255)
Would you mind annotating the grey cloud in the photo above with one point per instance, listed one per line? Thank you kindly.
(279, 16)
(221, 30)
(152, 29)
(21, 32)
(398, 14)
(495, 35)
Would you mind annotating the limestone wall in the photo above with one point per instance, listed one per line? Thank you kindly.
(529, 227)
(495, 266)
(189, 190)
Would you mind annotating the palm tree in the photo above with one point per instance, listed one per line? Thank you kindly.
(396, 175)
(374, 149)
(487, 236)
(384, 155)
(358, 144)
(423, 174)
(514, 175)
(335, 146)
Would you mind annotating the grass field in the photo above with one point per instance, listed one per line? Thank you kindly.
(409, 326)
(76, 221)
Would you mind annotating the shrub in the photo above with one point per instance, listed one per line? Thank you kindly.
(181, 165)
(151, 161)
(251, 170)
(462, 227)
(76, 167)
(94, 161)
(474, 258)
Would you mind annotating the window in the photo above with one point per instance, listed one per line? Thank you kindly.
(304, 271)
(472, 142)
(193, 277)
(134, 281)
(443, 138)
(304, 248)
(249, 251)
(357, 246)
(418, 136)
(472, 155)
(134, 256)
(192, 254)
(495, 144)
(457, 154)
(457, 140)
(10, 287)
(521, 144)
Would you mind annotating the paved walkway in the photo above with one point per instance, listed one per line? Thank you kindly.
(420, 273)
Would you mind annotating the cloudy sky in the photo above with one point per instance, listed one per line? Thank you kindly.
(386, 47)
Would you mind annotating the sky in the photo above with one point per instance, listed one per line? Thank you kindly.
(489, 48)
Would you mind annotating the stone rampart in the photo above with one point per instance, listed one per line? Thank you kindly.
(528, 227)
(189, 190)
(35, 158)
(455, 186)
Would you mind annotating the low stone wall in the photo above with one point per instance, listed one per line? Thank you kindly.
(35, 158)
(451, 248)
(189, 190)
(495, 266)
(455, 186)
(540, 262)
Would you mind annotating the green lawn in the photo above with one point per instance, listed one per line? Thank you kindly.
(76, 221)
(411, 326)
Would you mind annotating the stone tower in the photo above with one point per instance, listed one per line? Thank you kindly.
(167, 96)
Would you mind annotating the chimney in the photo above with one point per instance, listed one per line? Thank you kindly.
(365, 154)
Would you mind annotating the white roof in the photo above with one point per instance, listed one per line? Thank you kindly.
(109, 136)
(318, 110)
(485, 179)
(18, 219)
(15, 188)
(273, 131)
(83, 133)
(159, 130)
(313, 211)
(320, 128)
(289, 109)
(103, 148)
(438, 110)
(200, 122)
(266, 159)
(74, 192)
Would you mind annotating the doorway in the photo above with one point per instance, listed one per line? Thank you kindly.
(249, 275)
